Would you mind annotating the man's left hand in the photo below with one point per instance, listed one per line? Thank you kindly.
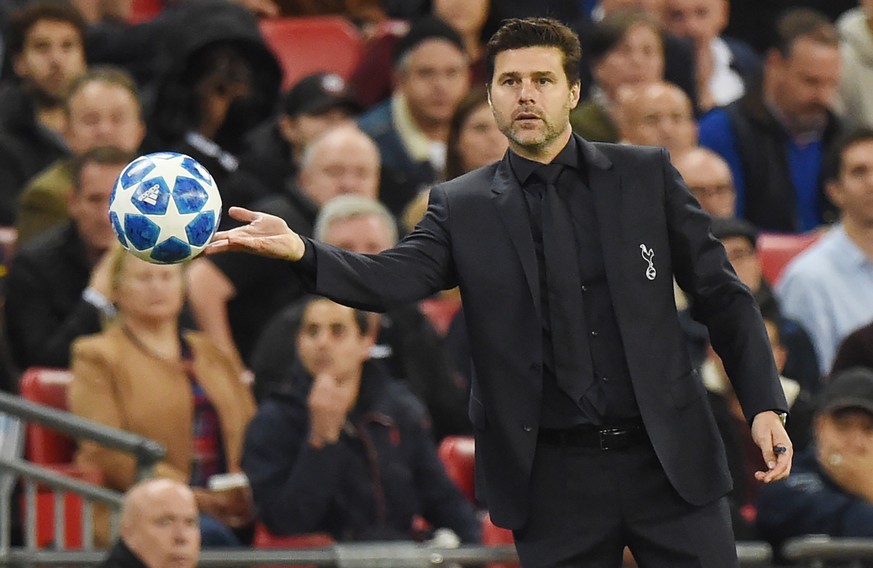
(769, 434)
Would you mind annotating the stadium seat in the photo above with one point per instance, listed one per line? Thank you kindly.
(144, 10)
(440, 310)
(492, 535)
(51, 449)
(306, 45)
(458, 456)
(263, 538)
(776, 250)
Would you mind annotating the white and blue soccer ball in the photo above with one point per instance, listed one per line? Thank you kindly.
(165, 207)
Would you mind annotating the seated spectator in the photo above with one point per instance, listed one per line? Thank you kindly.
(828, 287)
(775, 138)
(58, 285)
(856, 50)
(474, 139)
(234, 295)
(146, 375)
(829, 490)
(709, 178)
(744, 457)
(351, 452)
(159, 527)
(740, 241)
(372, 78)
(213, 88)
(724, 66)
(411, 129)
(102, 109)
(47, 52)
(657, 114)
(625, 50)
(405, 342)
(856, 350)
(314, 105)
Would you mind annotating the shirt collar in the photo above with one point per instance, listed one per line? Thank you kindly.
(524, 168)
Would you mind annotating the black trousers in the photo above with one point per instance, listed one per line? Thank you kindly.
(587, 504)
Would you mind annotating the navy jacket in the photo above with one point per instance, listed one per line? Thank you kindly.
(383, 471)
(809, 502)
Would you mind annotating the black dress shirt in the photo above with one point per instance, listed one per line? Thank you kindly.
(612, 399)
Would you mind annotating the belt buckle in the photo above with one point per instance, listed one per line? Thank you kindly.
(611, 438)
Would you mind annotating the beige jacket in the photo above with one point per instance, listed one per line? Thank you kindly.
(118, 384)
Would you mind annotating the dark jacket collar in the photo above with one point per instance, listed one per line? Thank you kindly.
(120, 556)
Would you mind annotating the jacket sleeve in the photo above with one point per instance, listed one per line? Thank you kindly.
(293, 484)
(38, 335)
(415, 268)
(720, 300)
(444, 504)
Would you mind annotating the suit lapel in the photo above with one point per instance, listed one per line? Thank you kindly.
(507, 195)
(606, 189)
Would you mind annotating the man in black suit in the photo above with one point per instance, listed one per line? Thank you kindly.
(592, 428)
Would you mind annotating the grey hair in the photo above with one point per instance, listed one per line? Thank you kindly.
(347, 206)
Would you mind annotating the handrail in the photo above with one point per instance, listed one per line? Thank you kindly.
(63, 482)
(822, 547)
(147, 452)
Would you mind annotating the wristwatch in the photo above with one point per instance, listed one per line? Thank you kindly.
(783, 417)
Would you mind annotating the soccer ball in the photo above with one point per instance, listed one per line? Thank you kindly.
(165, 207)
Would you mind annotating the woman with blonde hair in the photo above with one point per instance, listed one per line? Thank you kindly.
(146, 375)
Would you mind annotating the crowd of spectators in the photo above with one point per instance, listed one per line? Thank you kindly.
(772, 131)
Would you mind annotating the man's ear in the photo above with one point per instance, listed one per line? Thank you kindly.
(833, 189)
(575, 94)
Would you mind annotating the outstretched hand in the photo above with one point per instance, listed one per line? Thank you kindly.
(263, 234)
(770, 436)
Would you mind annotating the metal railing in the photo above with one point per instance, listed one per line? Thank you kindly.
(146, 452)
(817, 551)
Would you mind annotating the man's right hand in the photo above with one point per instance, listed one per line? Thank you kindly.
(263, 234)
(330, 400)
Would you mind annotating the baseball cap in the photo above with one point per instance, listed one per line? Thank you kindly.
(319, 93)
(724, 227)
(849, 388)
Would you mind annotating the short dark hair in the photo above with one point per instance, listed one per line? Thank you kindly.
(22, 20)
(361, 319)
(110, 74)
(796, 23)
(518, 33)
(834, 160)
(607, 34)
(104, 155)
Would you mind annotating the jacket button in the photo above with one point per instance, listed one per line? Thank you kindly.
(527, 428)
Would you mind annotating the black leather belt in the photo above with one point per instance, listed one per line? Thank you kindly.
(604, 438)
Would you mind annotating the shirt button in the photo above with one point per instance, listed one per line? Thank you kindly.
(527, 428)
(605, 379)
(584, 288)
(593, 334)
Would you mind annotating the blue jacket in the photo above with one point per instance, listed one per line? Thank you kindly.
(809, 502)
(368, 486)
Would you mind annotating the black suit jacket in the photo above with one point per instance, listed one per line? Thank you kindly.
(476, 234)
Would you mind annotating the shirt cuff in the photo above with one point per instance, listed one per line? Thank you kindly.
(99, 301)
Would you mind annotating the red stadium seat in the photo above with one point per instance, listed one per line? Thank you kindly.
(776, 251)
(263, 538)
(458, 456)
(440, 310)
(492, 535)
(144, 10)
(306, 45)
(48, 448)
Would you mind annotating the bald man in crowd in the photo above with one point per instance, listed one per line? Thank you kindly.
(159, 527)
(658, 114)
(709, 178)
(234, 295)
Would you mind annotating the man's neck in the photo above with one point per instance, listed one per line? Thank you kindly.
(52, 117)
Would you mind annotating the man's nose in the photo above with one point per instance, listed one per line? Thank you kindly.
(528, 91)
